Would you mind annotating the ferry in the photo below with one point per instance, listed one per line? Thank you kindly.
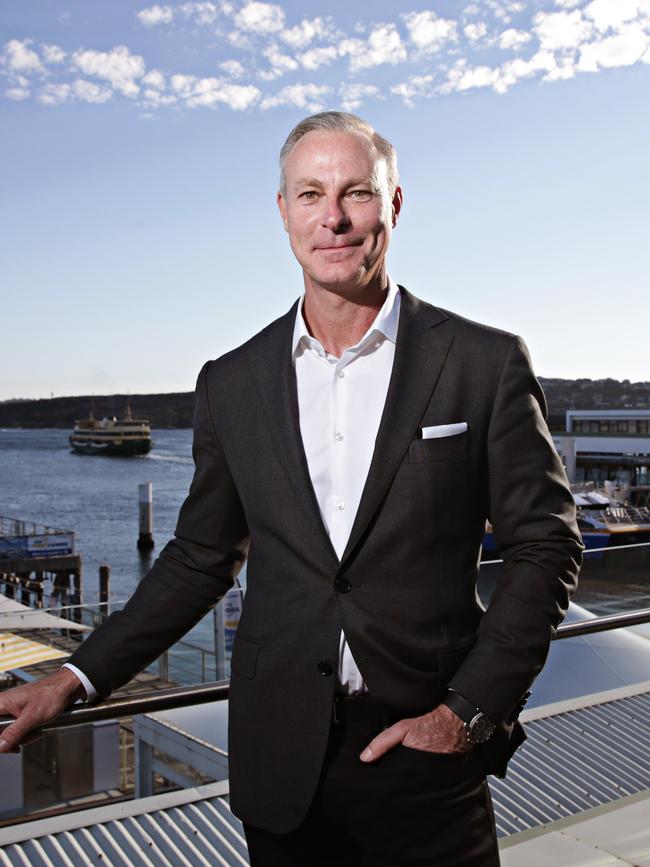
(111, 436)
(605, 518)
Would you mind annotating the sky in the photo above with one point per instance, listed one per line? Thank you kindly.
(139, 232)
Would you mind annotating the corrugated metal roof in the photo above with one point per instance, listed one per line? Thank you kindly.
(179, 829)
(575, 759)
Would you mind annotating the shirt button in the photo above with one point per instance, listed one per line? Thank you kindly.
(340, 505)
(338, 437)
(342, 585)
(340, 374)
(325, 669)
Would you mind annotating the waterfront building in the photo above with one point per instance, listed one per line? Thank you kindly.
(606, 444)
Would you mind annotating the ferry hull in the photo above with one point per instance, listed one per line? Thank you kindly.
(124, 449)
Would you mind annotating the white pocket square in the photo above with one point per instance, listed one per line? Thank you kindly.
(443, 430)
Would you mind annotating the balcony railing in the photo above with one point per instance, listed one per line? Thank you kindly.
(167, 699)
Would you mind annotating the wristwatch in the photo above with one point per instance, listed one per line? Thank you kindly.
(478, 727)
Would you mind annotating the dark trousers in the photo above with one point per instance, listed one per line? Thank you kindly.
(408, 809)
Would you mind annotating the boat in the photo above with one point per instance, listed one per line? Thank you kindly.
(605, 517)
(111, 436)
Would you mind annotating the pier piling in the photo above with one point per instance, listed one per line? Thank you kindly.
(145, 537)
(104, 585)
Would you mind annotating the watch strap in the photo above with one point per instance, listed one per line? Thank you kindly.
(461, 707)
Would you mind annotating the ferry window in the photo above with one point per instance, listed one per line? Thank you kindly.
(623, 427)
(604, 426)
(594, 426)
(642, 426)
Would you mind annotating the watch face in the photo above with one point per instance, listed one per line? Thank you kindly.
(480, 729)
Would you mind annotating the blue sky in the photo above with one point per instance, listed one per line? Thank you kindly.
(139, 233)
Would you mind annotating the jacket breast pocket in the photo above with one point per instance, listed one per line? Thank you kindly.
(447, 448)
(245, 655)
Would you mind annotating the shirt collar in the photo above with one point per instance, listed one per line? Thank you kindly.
(385, 322)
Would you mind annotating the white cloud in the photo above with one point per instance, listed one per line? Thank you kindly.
(624, 49)
(415, 87)
(204, 13)
(19, 57)
(568, 4)
(154, 78)
(279, 62)
(118, 66)
(210, 91)
(505, 9)
(514, 39)
(260, 17)
(353, 95)
(155, 99)
(17, 93)
(182, 84)
(383, 45)
(615, 13)
(154, 15)
(54, 94)
(428, 32)
(512, 71)
(86, 91)
(240, 40)
(463, 77)
(316, 57)
(233, 68)
(305, 96)
(239, 97)
(475, 32)
(561, 30)
(53, 54)
(564, 68)
(305, 32)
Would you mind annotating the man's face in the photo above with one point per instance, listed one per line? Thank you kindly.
(337, 209)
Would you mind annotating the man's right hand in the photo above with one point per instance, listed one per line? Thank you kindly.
(34, 704)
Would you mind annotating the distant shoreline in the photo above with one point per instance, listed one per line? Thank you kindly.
(175, 410)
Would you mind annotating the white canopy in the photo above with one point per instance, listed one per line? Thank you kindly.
(15, 616)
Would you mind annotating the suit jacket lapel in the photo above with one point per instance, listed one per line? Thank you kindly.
(420, 354)
(274, 375)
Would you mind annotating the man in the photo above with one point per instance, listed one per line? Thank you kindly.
(353, 450)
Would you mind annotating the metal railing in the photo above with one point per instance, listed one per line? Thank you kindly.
(168, 699)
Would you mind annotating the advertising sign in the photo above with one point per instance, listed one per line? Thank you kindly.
(45, 545)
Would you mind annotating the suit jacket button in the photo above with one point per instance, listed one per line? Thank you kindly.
(325, 669)
(342, 585)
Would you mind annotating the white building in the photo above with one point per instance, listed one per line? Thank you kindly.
(601, 444)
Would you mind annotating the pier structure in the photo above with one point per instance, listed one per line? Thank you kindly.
(33, 554)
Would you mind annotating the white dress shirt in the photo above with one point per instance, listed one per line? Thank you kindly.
(341, 401)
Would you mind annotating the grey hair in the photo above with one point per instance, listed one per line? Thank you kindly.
(340, 121)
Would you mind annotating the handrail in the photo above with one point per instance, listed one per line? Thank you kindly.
(603, 624)
(185, 696)
(147, 702)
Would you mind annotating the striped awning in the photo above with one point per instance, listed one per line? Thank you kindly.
(17, 652)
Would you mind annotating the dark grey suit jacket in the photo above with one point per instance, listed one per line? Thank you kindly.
(404, 589)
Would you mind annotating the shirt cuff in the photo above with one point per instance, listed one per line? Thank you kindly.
(91, 692)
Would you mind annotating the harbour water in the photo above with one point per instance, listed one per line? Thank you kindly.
(42, 480)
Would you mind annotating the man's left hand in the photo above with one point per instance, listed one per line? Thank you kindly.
(439, 731)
